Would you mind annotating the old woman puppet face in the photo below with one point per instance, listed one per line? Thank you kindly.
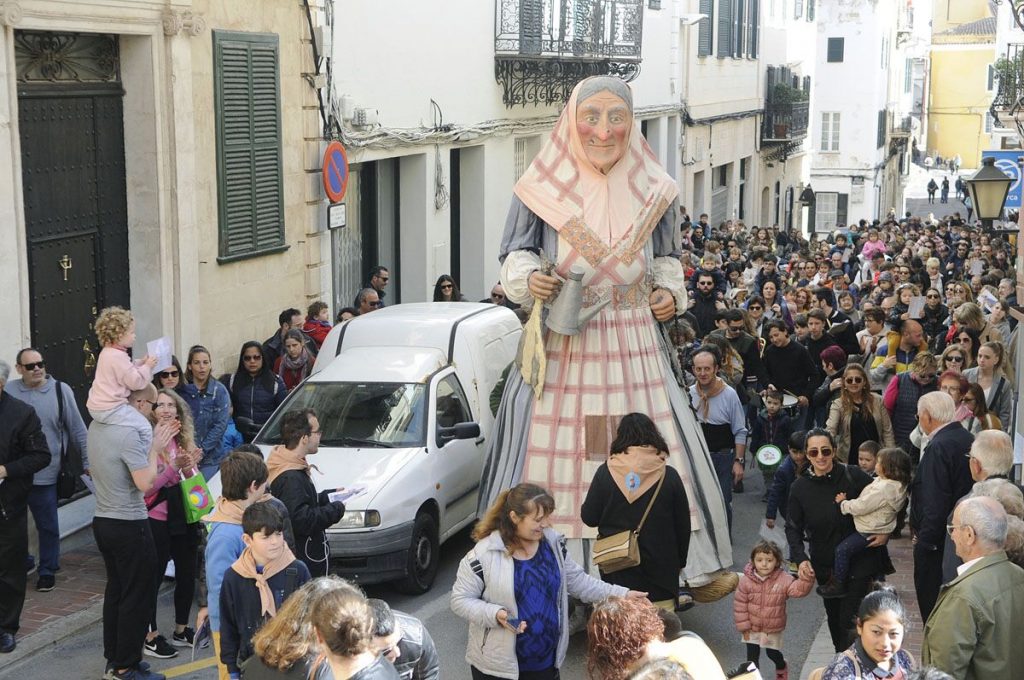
(604, 120)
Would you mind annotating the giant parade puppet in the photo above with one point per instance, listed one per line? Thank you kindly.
(595, 201)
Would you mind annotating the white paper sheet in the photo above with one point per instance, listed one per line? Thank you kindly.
(162, 350)
(977, 268)
(346, 494)
(916, 309)
(987, 299)
(87, 480)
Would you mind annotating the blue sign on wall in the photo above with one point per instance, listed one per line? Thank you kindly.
(1007, 162)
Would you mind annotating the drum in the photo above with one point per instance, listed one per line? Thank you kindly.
(790, 404)
(768, 457)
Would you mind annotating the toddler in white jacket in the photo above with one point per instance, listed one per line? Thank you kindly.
(874, 512)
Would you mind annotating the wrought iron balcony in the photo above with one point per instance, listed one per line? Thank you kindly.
(785, 121)
(899, 126)
(542, 48)
(1008, 73)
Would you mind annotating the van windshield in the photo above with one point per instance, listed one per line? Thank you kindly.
(376, 415)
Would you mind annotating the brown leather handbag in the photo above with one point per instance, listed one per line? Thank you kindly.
(622, 550)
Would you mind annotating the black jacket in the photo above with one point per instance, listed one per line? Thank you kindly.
(311, 515)
(813, 511)
(255, 669)
(664, 539)
(943, 476)
(241, 613)
(846, 338)
(790, 368)
(23, 452)
(417, 654)
(815, 348)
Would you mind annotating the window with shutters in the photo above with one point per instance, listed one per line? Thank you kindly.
(883, 117)
(752, 25)
(725, 47)
(810, 10)
(836, 47)
(826, 210)
(798, 9)
(739, 28)
(829, 131)
(248, 117)
(706, 28)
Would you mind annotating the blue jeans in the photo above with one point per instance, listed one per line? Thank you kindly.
(722, 460)
(42, 501)
(850, 547)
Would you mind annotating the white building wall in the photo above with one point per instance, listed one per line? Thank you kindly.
(857, 89)
(445, 53)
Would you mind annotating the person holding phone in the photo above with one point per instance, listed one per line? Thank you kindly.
(514, 586)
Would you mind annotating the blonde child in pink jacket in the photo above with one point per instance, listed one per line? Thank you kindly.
(759, 605)
(117, 376)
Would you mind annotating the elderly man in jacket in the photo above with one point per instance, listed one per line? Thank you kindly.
(972, 632)
(23, 452)
(943, 477)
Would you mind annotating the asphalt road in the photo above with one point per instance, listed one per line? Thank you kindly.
(80, 656)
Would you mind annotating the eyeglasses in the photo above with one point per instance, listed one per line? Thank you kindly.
(385, 279)
(497, 296)
(31, 366)
(854, 380)
(705, 283)
(755, 308)
(252, 357)
(951, 527)
(374, 304)
(933, 296)
(814, 453)
(168, 374)
(446, 286)
(955, 358)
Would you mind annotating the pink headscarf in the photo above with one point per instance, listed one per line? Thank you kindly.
(563, 186)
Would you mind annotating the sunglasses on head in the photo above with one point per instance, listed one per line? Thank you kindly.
(814, 453)
(34, 365)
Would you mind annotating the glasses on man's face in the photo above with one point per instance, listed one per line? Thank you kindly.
(168, 374)
(814, 453)
(375, 303)
(951, 527)
(497, 296)
(735, 329)
(33, 365)
(854, 380)
(252, 357)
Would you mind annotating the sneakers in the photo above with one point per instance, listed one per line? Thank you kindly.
(46, 583)
(137, 673)
(109, 674)
(7, 643)
(833, 589)
(184, 639)
(159, 648)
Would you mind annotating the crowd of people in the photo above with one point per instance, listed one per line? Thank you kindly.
(865, 371)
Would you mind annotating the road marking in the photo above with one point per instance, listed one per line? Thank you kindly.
(176, 671)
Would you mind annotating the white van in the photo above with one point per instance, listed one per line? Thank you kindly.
(402, 396)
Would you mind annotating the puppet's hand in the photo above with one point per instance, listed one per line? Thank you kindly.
(542, 286)
(663, 305)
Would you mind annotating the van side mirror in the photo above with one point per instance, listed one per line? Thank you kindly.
(468, 430)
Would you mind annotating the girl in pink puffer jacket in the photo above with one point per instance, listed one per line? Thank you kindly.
(759, 607)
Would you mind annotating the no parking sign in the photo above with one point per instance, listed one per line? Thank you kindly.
(335, 171)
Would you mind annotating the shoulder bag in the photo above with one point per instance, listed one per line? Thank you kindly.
(622, 550)
(70, 456)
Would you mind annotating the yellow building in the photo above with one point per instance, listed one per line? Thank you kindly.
(959, 91)
(947, 14)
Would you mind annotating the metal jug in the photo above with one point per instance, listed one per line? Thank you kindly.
(566, 314)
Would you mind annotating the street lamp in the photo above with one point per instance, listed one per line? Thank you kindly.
(988, 188)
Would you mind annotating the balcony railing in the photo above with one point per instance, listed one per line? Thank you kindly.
(785, 122)
(542, 48)
(1009, 77)
(899, 126)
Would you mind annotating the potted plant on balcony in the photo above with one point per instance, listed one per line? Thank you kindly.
(782, 99)
(1008, 73)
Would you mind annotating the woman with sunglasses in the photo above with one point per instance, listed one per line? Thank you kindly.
(935, 314)
(858, 415)
(814, 515)
(967, 339)
(255, 391)
(755, 309)
(171, 377)
(446, 290)
(981, 418)
(989, 375)
(953, 359)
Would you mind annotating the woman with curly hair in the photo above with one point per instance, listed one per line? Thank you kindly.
(173, 537)
(287, 645)
(117, 375)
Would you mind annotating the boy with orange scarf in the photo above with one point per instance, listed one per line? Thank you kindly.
(258, 582)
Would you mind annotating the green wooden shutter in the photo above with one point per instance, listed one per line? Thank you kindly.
(842, 208)
(724, 29)
(249, 176)
(755, 20)
(705, 28)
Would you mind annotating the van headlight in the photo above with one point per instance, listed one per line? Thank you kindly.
(358, 519)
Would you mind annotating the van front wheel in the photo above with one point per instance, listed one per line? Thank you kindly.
(421, 567)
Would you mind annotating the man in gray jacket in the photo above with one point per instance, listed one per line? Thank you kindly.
(62, 427)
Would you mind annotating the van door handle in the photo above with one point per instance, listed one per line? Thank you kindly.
(480, 440)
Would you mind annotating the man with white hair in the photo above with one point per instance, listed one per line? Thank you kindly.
(991, 457)
(23, 453)
(943, 477)
(972, 632)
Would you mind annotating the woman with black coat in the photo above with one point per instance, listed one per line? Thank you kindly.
(622, 489)
(935, 314)
(255, 391)
(813, 511)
